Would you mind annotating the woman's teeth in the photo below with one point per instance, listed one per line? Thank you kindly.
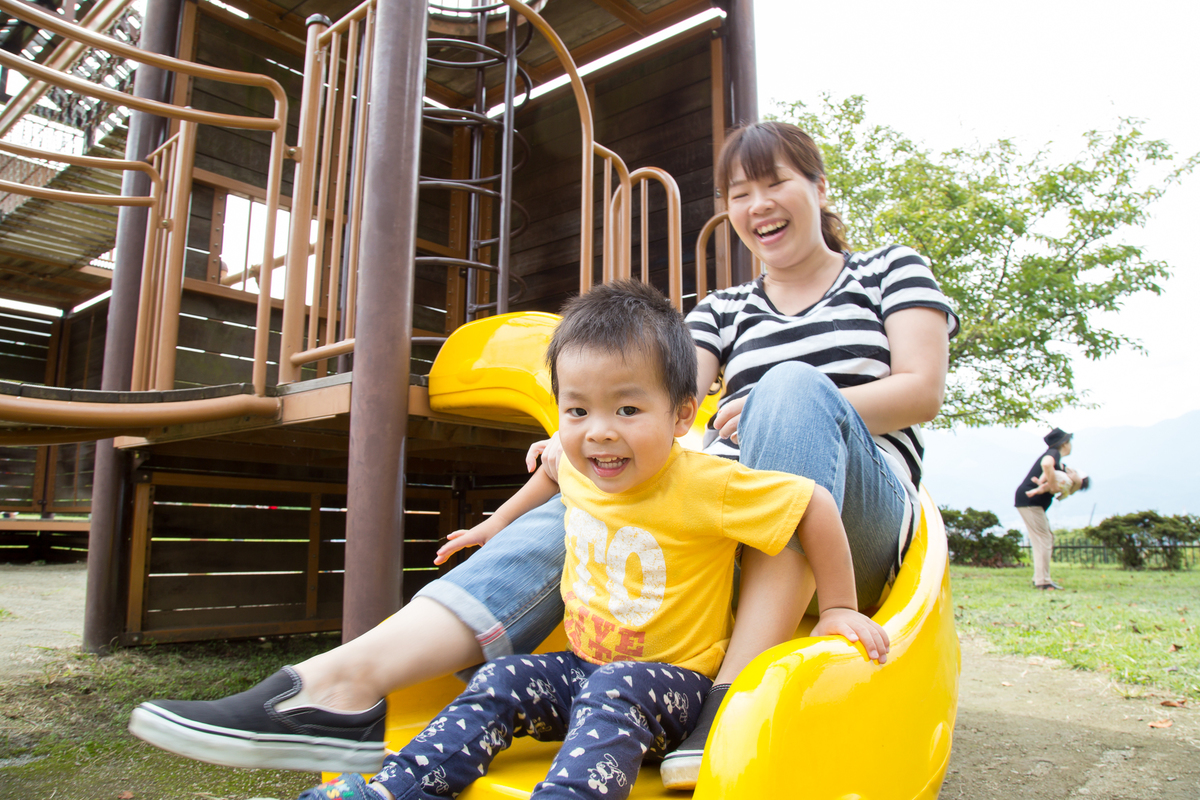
(769, 228)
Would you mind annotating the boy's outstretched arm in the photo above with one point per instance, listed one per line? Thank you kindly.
(536, 491)
(824, 541)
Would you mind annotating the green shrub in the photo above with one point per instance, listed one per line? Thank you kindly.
(1139, 536)
(973, 541)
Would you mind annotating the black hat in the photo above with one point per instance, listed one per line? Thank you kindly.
(1056, 437)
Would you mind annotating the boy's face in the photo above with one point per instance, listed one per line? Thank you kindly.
(616, 420)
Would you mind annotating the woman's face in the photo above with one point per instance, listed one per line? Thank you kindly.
(779, 219)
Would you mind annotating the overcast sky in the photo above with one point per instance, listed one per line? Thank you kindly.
(952, 73)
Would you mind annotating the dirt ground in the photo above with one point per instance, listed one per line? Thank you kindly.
(1027, 727)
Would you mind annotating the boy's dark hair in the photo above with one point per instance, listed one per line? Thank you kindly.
(622, 316)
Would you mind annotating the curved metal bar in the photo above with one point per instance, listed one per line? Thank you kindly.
(723, 276)
(83, 198)
(621, 236)
(80, 86)
(34, 411)
(83, 161)
(526, 153)
(587, 133)
(674, 228)
(68, 30)
(432, 114)
(447, 261)
(480, 9)
(516, 231)
(494, 57)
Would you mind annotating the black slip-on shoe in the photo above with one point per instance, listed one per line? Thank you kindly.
(245, 730)
(680, 769)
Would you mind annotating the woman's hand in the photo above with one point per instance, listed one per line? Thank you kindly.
(475, 537)
(550, 450)
(857, 628)
(726, 420)
(1041, 487)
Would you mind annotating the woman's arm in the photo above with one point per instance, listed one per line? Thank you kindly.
(536, 491)
(913, 393)
(1049, 479)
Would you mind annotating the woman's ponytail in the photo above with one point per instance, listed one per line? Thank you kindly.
(833, 230)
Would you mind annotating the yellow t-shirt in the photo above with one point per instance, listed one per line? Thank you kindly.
(649, 571)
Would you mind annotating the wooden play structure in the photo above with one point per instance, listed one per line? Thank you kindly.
(251, 418)
(244, 421)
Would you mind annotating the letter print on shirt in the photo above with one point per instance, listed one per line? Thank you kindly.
(628, 542)
(587, 538)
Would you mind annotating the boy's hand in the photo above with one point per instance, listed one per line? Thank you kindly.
(857, 628)
(550, 450)
(475, 537)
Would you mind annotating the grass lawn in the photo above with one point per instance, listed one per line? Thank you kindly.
(1143, 628)
(63, 732)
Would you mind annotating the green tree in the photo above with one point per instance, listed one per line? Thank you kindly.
(974, 538)
(1139, 536)
(1026, 248)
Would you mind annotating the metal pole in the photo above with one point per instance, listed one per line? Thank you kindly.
(743, 81)
(504, 262)
(474, 202)
(102, 621)
(379, 407)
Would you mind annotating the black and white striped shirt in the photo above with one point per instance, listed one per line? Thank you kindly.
(841, 334)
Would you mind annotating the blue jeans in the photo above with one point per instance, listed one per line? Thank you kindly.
(609, 717)
(795, 420)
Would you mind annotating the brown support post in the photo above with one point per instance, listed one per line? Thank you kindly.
(743, 83)
(103, 614)
(379, 408)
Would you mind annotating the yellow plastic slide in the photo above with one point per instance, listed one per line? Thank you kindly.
(812, 718)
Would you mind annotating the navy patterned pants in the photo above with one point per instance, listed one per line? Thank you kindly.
(609, 717)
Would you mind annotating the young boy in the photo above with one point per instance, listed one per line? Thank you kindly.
(651, 532)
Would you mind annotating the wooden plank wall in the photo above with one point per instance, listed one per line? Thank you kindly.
(226, 550)
(242, 155)
(216, 340)
(46, 481)
(656, 113)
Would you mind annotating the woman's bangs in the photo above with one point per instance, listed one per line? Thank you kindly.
(754, 149)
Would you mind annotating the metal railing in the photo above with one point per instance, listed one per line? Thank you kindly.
(1097, 555)
(332, 129)
(327, 193)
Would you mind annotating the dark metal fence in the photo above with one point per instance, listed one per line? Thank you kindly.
(1087, 554)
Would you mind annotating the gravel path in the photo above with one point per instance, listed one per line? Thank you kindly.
(41, 607)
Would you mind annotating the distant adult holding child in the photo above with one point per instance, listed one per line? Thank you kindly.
(1048, 477)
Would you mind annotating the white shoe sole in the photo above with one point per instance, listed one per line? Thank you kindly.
(681, 771)
(234, 748)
